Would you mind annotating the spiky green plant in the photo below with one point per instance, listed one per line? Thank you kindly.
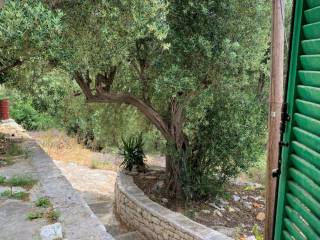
(132, 152)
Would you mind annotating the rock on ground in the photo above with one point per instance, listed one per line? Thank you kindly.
(51, 232)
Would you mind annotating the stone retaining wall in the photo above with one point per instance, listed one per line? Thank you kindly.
(153, 220)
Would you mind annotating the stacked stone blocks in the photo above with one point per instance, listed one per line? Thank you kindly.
(153, 220)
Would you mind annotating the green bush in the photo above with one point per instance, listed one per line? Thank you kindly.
(15, 195)
(25, 101)
(43, 202)
(132, 152)
(14, 150)
(22, 181)
(24, 113)
(52, 215)
(34, 215)
(2, 179)
(226, 140)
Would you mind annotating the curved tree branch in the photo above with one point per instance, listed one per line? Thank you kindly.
(120, 98)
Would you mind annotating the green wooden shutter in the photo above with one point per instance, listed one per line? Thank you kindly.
(298, 204)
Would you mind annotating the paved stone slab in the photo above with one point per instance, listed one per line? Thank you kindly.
(97, 190)
(77, 219)
(14, 224)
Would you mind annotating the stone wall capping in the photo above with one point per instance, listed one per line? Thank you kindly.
(77, 219)
(153, 220)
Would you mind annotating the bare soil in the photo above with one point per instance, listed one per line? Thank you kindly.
(241, 207)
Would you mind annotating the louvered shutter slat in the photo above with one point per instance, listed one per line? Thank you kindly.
(298, 206)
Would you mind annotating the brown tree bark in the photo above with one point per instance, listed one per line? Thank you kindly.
(173, 166)
(171, 129)
(97, 95)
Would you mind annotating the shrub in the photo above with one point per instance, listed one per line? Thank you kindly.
(226, 140)
(24, 113)
(257, 232)
(52, 215)
(21, 181)
(43, 202)
(132, 152)
(15, 195)
(2, 179)
(34, 215)
(14, 150)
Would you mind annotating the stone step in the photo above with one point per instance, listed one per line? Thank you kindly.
(130, 236)
(114, 230)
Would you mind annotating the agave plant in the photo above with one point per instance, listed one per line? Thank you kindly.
(132, 152)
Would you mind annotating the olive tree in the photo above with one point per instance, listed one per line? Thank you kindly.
(169, 59)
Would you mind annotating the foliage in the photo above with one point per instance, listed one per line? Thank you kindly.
(196, 183)
(14, 150)
(23, 111)
(257, 172)
(29, 31)
(257, 233)
(26, 115)
(228, 125)
(2, 179)
(34, 215)
(43, 202)
(132, 152)
(15, 195)
(21, 181)
(45, 89)
(207, 60)
(52, 215)
(111, 122)
(215, 154)
(29, 35)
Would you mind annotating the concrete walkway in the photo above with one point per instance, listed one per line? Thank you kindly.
(97, 188)
(77, 219)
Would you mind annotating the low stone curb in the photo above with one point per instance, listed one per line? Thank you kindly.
(77, 219)
(153, 220)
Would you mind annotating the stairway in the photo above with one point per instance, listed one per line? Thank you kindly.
(104, 211)
(98, 191)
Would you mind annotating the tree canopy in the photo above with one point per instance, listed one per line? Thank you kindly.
(196, 70)
(28, 31)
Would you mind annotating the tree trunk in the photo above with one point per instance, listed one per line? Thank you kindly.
(173, 166)
(172, 130)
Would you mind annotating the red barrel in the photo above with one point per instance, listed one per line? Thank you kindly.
(4, 109)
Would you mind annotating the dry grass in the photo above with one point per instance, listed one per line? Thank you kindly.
(95, 164)
(64, 148)
(61, 147)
